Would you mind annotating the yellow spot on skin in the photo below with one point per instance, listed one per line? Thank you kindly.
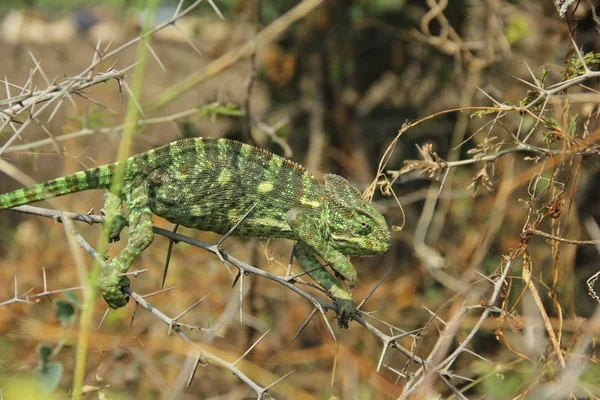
(244, 156)
(224, 177)
(199, 144)
(307, 180)
(275, 164)
(222, 146)
(196, 211)
(151, 157)
(175, 153)
(308, 202)
(82, 181)
(245, 150)
(265, 187)
(232, 215)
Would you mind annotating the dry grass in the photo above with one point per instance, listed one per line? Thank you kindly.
(487, 294)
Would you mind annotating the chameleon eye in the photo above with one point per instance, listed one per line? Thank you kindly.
(364, 225)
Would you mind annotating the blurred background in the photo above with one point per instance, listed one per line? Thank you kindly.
(353, 87)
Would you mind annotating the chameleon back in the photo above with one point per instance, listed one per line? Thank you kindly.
(209, 184)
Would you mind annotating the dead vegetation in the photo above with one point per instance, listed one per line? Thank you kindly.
(481, 123)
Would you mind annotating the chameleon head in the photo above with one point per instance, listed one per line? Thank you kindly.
(356, 228)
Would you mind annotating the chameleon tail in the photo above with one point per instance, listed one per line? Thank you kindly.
(96, 178)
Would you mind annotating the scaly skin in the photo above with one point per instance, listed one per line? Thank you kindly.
(209, 184)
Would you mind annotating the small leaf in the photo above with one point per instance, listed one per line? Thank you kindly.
(573, 125)
(481, 113)
(73, 299)
(48, 377)
(65, 311)
(44, 351)
(551, 124)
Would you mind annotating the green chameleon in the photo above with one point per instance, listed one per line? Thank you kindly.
(210, 184)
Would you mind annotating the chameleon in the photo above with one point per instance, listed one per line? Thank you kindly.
(212, 184)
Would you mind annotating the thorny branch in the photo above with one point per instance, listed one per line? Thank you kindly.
(548, 158)
(388, 341)
(431, 164)
(29, 98)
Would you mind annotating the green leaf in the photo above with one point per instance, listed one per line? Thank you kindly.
(44, 352)
(545, 71)
(65, 311)
(481, 113)
(214, 110)
(48, 377)
(73, 299)
(575, 67)
(572, 128)
(551, 124)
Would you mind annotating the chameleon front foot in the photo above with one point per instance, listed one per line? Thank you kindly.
(346, 308)
(110, 287)
(115, 228)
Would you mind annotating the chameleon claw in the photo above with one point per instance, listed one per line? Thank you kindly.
(352, 280)
(346, 311)
(110, 287)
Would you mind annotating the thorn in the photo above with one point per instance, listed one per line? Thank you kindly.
(193, 373)
(385, 347)
(293, 277)
(528, 83)
(216, 250)
(110, 42)
(234, 227)
(44, 281)
(326, 321)
(251, 347)
(103, 317)
(403, 334)
(135, 274)
(484, 276)
(153, 53)
(399, 373)
(189, 309)
(235, 280)
(278, 380)
(158, 292)
(214, 6)
(134, 99)
(178, 9)
(535, 79)
(96, 102)
(374, 289)
(39, 67)
(242, 299)
(167, 261)
(133, 316)
(305, 323)
(581, 58)
(291, 261)
(496, 102)
(188, 40)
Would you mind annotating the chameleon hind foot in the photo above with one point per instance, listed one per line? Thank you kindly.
(115, 219)
(346, 307)
(114, 230)
(110, 288)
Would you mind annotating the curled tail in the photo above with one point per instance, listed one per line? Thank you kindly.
(96, 178)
